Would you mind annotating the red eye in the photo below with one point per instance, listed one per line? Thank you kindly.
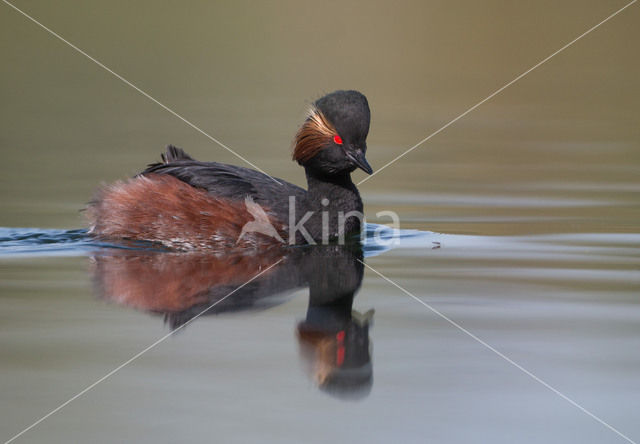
(337, 139)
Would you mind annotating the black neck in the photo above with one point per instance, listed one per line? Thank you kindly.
(340, 191)
(342, 198)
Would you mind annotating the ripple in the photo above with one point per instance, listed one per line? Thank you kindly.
(52, 242)
(378, 239)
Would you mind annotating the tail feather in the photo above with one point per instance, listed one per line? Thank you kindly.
(173, 153)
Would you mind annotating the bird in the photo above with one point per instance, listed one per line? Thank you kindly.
(260, 224)
(185, 204)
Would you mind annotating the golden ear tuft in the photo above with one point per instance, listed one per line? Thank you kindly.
(315, 134)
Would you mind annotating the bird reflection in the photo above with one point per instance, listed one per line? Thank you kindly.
(333, 338)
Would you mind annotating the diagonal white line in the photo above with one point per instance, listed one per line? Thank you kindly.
(506, 358)
(130, 360)
(101, 65)
(498, 91)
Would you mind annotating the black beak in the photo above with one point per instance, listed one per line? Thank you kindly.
(357, 157)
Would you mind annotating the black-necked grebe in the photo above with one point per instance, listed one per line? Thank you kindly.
(186, 204)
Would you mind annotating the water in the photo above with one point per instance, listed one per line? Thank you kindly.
(564, 306)
(519, 224)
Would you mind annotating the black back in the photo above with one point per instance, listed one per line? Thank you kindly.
(227, 181)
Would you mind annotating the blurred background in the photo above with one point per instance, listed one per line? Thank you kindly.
(562, 144)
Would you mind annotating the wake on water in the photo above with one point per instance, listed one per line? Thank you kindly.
(52, 242)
